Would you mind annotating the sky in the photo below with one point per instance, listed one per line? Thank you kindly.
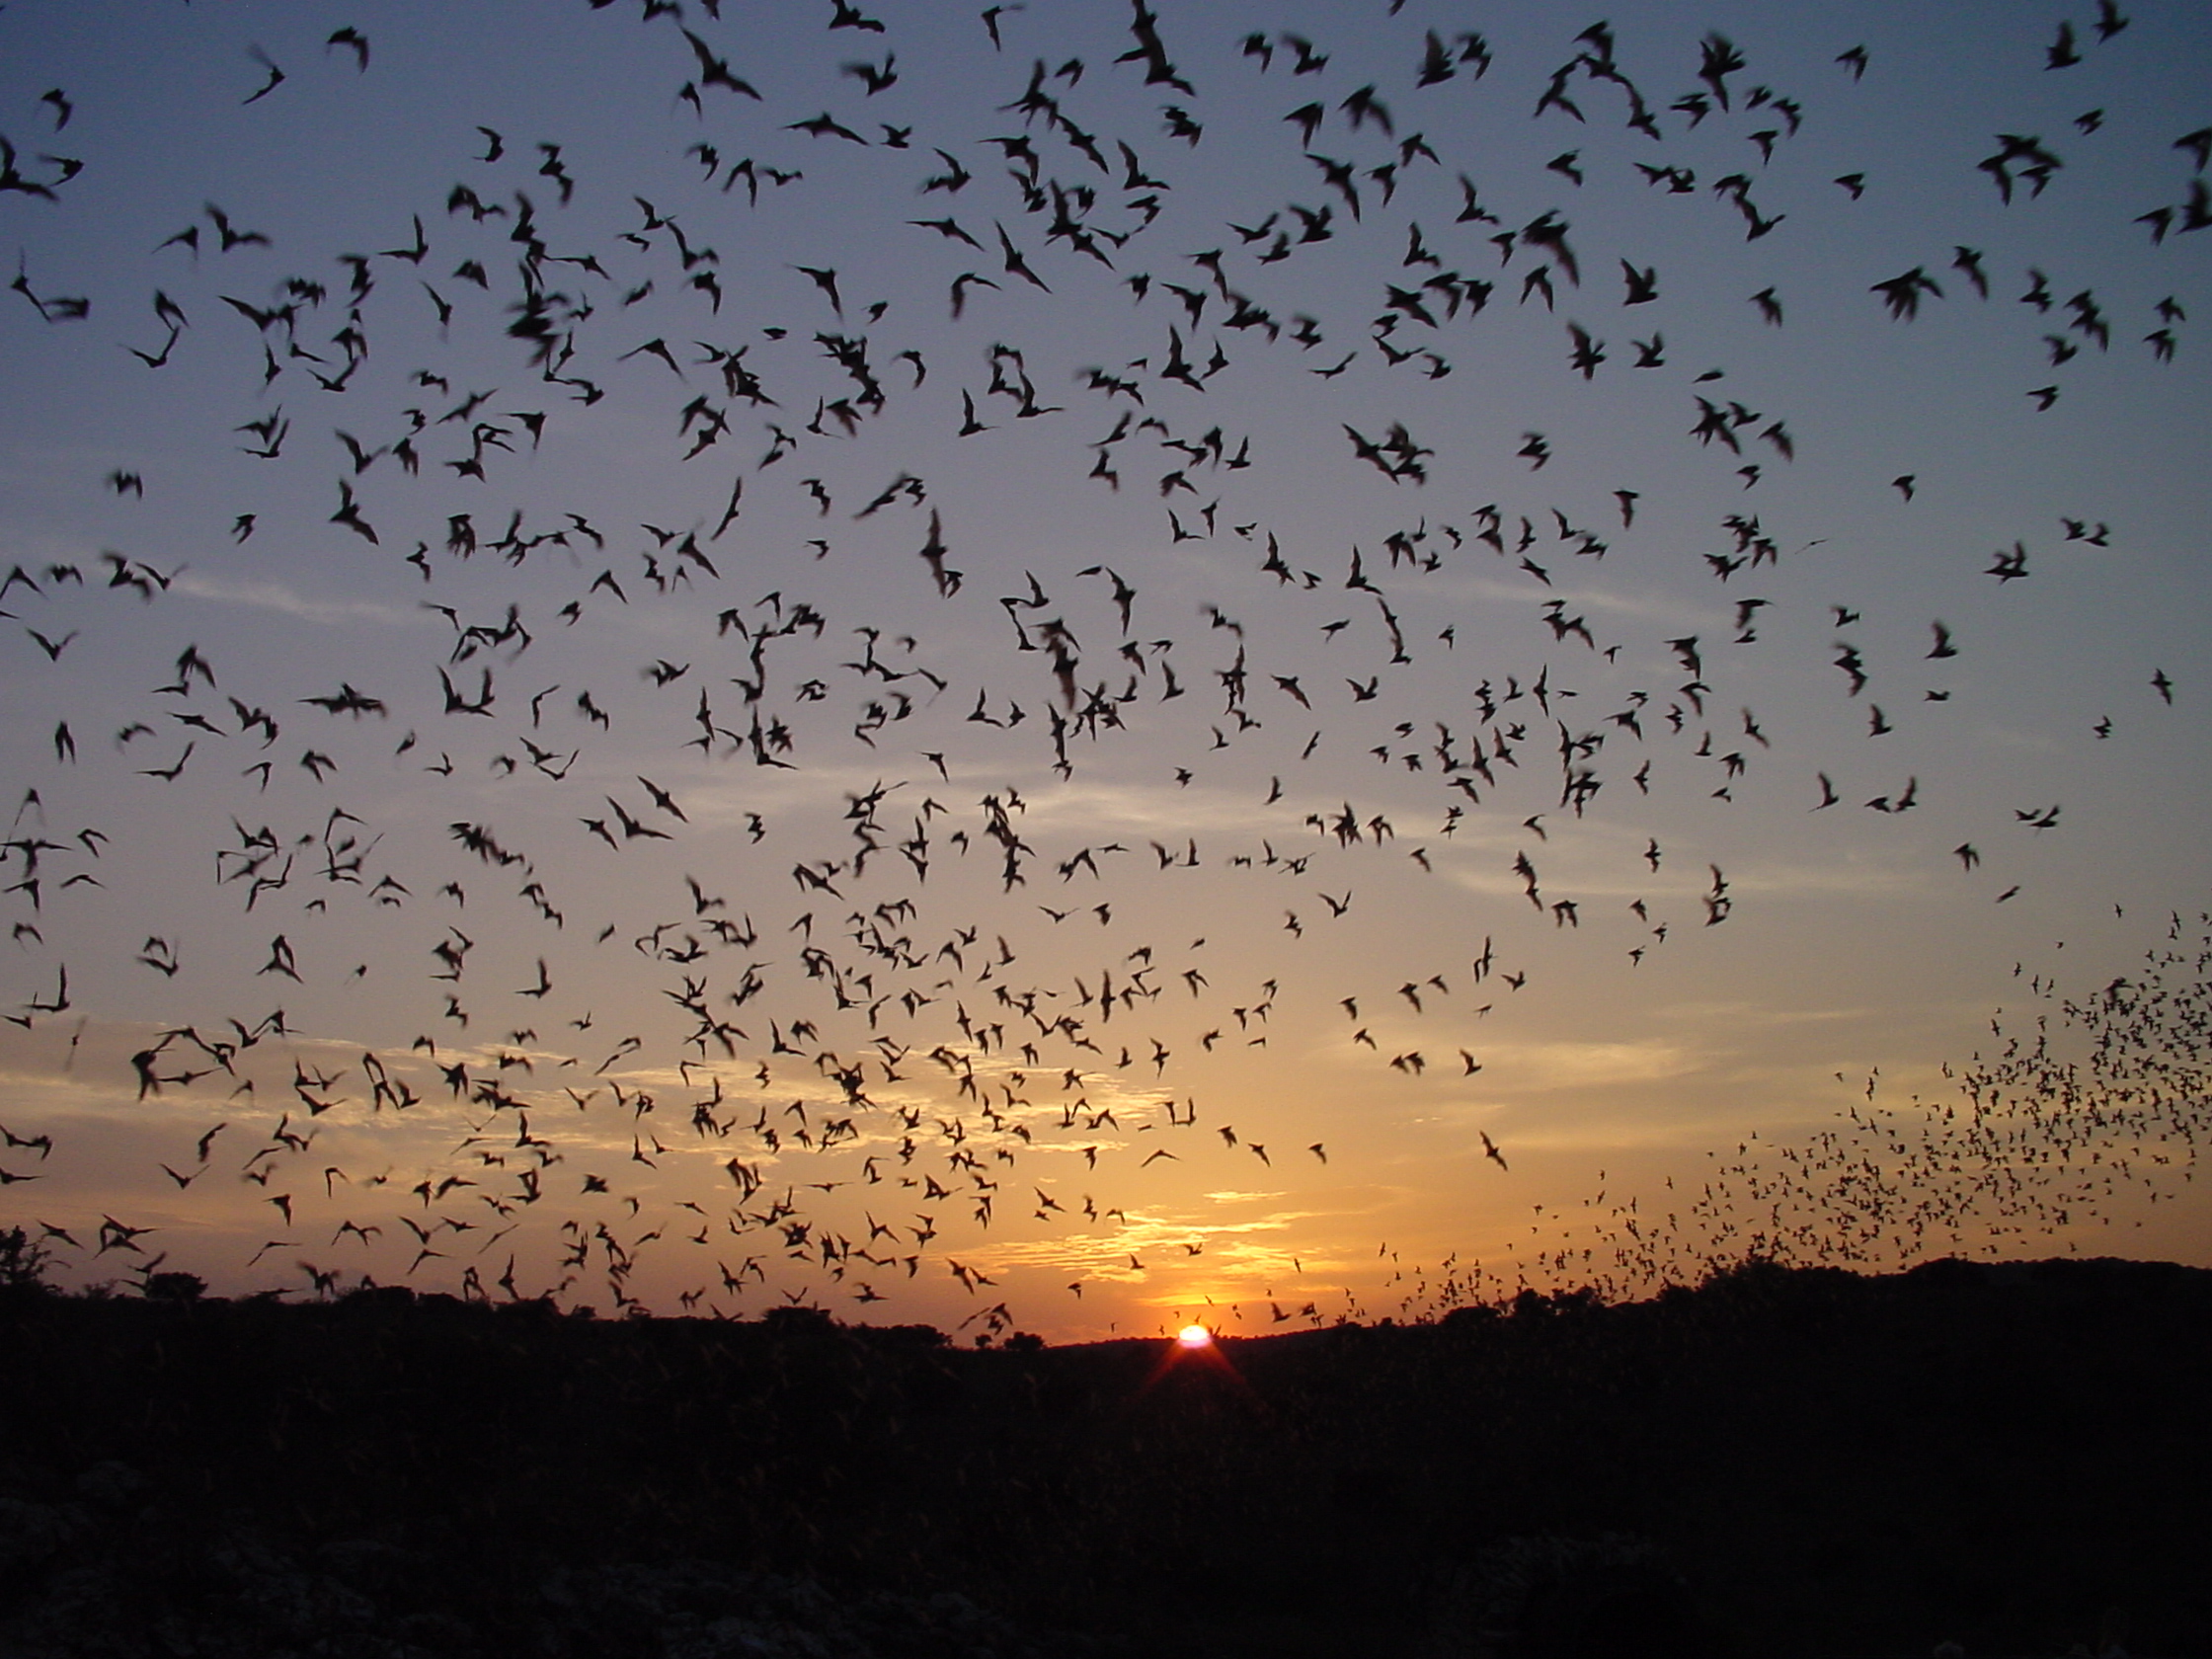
(1081, 666)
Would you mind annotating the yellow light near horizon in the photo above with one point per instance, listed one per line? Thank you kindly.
(1195, 1336)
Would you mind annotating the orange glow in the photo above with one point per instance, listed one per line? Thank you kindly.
(1195, 1355)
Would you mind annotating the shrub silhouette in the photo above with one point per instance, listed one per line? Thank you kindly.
(23, 1264)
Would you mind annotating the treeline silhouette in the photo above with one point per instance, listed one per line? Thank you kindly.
(1777, 1462)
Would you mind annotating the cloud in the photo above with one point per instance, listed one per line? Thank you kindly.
(275, 596)
(1567, 1066)
(1665, 608)
(1100, 806)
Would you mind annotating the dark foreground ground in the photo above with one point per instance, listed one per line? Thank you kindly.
(1780, 1463)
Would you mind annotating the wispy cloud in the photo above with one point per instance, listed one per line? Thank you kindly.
(1564, 1065)
(275, 596)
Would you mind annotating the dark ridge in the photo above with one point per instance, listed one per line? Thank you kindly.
(1809, 1463)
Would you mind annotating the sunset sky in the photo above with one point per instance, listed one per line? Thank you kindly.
(1101, 677)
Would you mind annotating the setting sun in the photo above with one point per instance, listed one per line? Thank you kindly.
(1195, 1336)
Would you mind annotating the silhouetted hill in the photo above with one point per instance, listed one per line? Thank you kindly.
(1777, 1463)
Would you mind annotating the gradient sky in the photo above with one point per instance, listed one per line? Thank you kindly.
(1428, 802)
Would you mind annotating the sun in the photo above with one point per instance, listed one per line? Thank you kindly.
(1194, 1357)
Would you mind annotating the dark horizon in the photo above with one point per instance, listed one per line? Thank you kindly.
(1123, 663)
(1779, 1460)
